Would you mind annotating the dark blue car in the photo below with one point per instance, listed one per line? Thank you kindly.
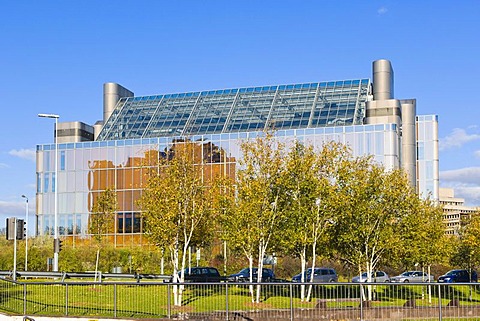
(454, 276)
(244, 275)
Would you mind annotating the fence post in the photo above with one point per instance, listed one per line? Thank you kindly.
(24, 299)
(169, 302)
(439, 302)
(115, 300)
(66, 298)
(361, 301)
(226, 298)
(291, 301)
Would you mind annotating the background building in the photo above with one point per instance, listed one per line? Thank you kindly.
(117, 151)
(455, 213)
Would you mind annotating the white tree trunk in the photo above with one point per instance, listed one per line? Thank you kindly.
(303, 261)
(250, 265)
(261, 254)
(312, 275)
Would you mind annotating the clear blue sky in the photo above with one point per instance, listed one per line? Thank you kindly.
(56, 55)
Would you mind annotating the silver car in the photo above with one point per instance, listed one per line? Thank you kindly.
(377, 276)
(412, 276)
(319, 275)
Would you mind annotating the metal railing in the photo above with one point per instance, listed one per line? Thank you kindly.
(239, 301)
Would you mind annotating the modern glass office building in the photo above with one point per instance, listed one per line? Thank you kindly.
(117, 152)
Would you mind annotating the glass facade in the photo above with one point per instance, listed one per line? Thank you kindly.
(91, 167)
(310, 105)
(427, 156)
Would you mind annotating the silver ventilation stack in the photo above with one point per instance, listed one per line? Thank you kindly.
(384, 109)
(112, 93)
(409, 140)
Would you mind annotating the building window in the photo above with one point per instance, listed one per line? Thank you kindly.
(62, 160)
(128, 222)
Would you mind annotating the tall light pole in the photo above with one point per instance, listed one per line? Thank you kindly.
(55, 211)
(26, 231)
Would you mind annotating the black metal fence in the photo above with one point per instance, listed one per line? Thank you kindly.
(236, 301)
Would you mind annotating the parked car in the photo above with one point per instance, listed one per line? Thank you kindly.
(319, 275)
(202, 274)
(412, 276)
(244, 275)
(458, 276)
(377, 276)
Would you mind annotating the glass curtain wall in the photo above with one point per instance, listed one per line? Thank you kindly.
(88, 168)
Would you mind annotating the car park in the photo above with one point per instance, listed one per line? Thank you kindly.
(377, 276)
(319, 275)
(412, 276)
(454, 276)
(244, 275)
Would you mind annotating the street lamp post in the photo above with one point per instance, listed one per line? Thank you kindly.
(55, 213)
(26, 231)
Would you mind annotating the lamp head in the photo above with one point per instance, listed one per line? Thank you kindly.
(49, 116)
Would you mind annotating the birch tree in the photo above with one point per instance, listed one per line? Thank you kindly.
(371, 205)
(467, 254)
(308, 186)
(256, 215)
(177, 207)
(102, 219)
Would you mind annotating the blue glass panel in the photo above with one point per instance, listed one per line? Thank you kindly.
(39, 183)
(298, 86)
(347, 82)
(62, 160)
(364, 81)
(224, 137)
(289, 86)
(249, 90)
(323, 84)
(330, 84)
(356, 82)
(46, 180)
(339, 83)
(282, 87)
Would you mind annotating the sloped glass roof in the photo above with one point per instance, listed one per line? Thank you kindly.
(335, 103)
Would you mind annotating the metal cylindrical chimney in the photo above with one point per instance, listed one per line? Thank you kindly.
(112, 92)
(382, 80)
